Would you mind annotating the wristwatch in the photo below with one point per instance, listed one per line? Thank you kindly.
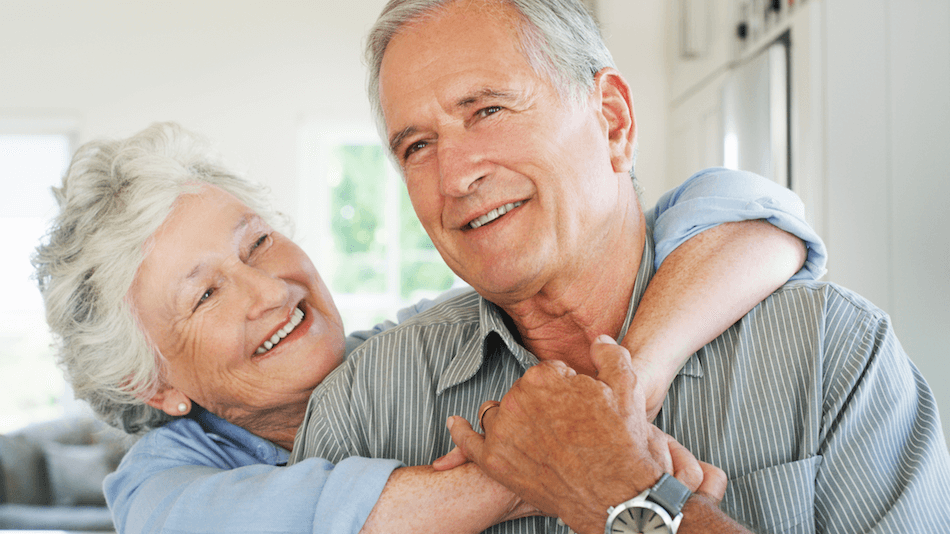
(657, 510)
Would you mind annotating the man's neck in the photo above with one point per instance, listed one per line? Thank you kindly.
(562, 320)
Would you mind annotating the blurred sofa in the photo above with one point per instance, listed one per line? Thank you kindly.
(52, 472)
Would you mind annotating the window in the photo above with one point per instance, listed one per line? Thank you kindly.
(358, 226)
(31, 386)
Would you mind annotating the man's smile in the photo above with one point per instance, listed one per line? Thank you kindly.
(492, 215)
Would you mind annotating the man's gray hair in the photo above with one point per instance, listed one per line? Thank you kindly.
(114, 197)
(559, 38)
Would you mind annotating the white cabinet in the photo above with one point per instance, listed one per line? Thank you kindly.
(702, 42)
(696, 130)
(869, 127)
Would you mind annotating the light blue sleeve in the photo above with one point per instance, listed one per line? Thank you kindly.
(357, 338)
(716, 196)
(191, 482)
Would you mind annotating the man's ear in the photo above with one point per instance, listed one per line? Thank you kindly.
(617, 109)
(170, 401)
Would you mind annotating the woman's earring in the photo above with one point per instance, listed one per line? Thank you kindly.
(182, 407)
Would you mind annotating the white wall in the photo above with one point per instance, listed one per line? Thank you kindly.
(870, 134)
(636, 33)
(246, 74)
(887, 96)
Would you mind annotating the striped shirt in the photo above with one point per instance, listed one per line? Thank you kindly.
(808, 403)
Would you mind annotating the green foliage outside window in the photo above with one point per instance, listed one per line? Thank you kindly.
(362, 233)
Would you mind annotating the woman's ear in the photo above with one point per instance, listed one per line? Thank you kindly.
(617, 108)
(171, 401)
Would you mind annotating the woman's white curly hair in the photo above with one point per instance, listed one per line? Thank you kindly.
(114, 196)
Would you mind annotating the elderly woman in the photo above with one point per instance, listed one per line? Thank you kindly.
(181, 313)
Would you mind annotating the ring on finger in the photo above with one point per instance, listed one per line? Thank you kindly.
(484, 409)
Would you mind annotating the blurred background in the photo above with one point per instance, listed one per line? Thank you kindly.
(846, 102)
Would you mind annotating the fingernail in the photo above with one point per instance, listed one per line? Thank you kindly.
(604, 338)
(450, 422)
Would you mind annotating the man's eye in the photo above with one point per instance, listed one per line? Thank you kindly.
(414, 147)
(490, 110)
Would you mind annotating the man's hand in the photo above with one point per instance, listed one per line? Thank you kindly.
(573, 445)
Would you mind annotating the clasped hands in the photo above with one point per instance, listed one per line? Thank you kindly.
(572, 445)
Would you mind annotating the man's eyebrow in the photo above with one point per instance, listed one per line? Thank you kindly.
(399, 136)
(466, 101)
(474, 98)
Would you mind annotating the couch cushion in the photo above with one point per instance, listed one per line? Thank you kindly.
(76, 472)
(23, 516)
(24, 472)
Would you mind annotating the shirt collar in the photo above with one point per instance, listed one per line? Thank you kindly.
(215, 427)
(493, 332)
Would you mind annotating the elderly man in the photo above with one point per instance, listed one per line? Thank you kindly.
(516, 136)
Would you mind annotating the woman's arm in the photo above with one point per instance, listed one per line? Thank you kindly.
(460, 500)
(702, 288)
(712, 270)
(183, 479)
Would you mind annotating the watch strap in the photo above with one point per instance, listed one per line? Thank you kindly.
(670, 493)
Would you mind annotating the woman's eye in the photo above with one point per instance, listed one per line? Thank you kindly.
(205, 296)
(260, 241)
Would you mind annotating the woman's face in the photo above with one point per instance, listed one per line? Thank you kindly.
(245, 324)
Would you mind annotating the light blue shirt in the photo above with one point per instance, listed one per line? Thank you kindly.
(715, 196)
(201, 474)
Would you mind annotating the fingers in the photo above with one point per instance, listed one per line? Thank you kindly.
(686, 468)
(615, 369)
(660, 446)
(469, 442)
(546, 371)
(453, 459)
(714, 482)
(611, 360)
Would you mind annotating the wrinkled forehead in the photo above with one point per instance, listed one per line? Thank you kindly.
(201, 220)
(464, 43)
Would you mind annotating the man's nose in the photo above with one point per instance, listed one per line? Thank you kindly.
(462, 163)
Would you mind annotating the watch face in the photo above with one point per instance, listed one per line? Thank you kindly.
(639, 520)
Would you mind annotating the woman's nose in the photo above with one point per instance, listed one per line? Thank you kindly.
(265, 292)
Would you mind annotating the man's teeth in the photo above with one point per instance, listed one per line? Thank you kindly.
(295, 319)
(494, 214)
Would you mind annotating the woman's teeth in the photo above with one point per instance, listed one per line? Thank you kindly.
(494, 214)
(295, 320)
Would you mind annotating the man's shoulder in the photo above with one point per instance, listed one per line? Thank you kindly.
(827, 321)
(460, 309)
(454, 319)
(425, 343)
(826, 296)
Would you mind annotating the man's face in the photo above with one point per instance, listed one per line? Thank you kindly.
(513, 185)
